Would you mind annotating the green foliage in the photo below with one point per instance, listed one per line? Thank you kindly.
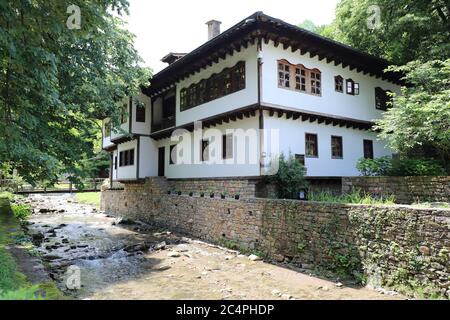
(420, 117)
(290, 177)
(355, 197)
(21, 211)
(386, 166)
(409, 29)
(6, 195)
(374, 167)
(56, 83)
(25, 293)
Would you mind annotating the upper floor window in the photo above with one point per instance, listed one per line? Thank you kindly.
(336, 147)
(299, 78)
(352, 87)
(107, 128)
(140, 113)
(311, 146)
(368, 149)
(339, 84)
(382, 98)
(218, 85)
(284, 75)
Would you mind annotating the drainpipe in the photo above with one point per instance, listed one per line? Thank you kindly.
(261, 115)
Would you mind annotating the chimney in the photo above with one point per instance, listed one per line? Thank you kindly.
(213, 29)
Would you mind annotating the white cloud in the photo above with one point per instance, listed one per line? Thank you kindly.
(179, 25)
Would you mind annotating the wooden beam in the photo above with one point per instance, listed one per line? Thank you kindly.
(280, 113)
(296, 116)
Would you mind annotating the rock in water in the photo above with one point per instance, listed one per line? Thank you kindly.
(253, 257)
(173, 254)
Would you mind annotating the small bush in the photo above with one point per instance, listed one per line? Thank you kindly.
(289, 179)
(386, 166)
(21, 211)
(6, 195)
(356, 197)
(29, 293)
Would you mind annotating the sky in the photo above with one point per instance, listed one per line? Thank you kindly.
(179, 25)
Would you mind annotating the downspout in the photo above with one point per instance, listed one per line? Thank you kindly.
(261, 114)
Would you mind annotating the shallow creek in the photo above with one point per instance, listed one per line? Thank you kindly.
(120, 259)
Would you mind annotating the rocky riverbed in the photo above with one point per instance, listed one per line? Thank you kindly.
(119, 259)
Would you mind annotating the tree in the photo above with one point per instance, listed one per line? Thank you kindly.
(407, 30)
(421, 114)
(56, 82)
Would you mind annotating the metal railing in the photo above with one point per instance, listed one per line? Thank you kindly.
(62, 186)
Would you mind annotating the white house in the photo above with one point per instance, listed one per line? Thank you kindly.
(285, 90)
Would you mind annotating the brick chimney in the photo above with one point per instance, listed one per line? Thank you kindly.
(213, 28)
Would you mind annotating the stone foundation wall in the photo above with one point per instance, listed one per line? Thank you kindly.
(395, 246)
(406, 190)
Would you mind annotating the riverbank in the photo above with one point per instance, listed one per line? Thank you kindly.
(22, 276)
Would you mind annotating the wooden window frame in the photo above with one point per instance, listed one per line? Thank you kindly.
(301, 79)
(228, 81)
(126, 158)
(227, 148)
(140, 113)
(300, 158)
(384, 101)
(371, 155)
(341, 156)
(339, 83)
(115, 163)
(316, 155)
(354, 85)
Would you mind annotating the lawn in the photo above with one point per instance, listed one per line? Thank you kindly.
(92, 198)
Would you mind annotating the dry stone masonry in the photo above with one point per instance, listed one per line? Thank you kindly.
(394, 246)
(406, 190)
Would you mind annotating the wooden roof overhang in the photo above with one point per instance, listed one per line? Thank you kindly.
(274, 111)
(265, 28)
(326, 119)
(227, 117)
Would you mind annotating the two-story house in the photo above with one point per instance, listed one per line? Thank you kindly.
(285, 89)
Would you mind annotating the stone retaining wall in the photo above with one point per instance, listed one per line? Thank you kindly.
(396, 246)
(406, 190)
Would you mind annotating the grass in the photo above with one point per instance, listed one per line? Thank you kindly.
(13, 283)
(92, 198)
(355, 197)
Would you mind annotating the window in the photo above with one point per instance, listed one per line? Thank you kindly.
(300, 79)
(124, 115)
(126, 158)
(356, 88)
(140, 113)
(368, 149)
(115, 163)
(336, 147)
(227, 146)
(311, 145)
(382, 98)
(300, 158)
(204, 150)
(339, 84)
(284, 75)
(218, 85)
(306, 80)
(107, 128)
(173, 154)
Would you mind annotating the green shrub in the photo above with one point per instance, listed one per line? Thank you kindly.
(356, 197)
(26, 293)
(290, 178)
(374, 167)
(386, 166)
(21, 211)
(6, 195)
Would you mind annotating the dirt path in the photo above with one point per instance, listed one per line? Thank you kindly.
(132, 261)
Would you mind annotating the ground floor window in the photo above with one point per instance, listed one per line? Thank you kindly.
(368, 149)
(204, 150)
(300, 158)
(173, 154)
(336, 147)
(126, 158)
(227, 146)
(311, 147)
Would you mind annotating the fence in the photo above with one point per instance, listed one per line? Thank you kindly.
(62, 186)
